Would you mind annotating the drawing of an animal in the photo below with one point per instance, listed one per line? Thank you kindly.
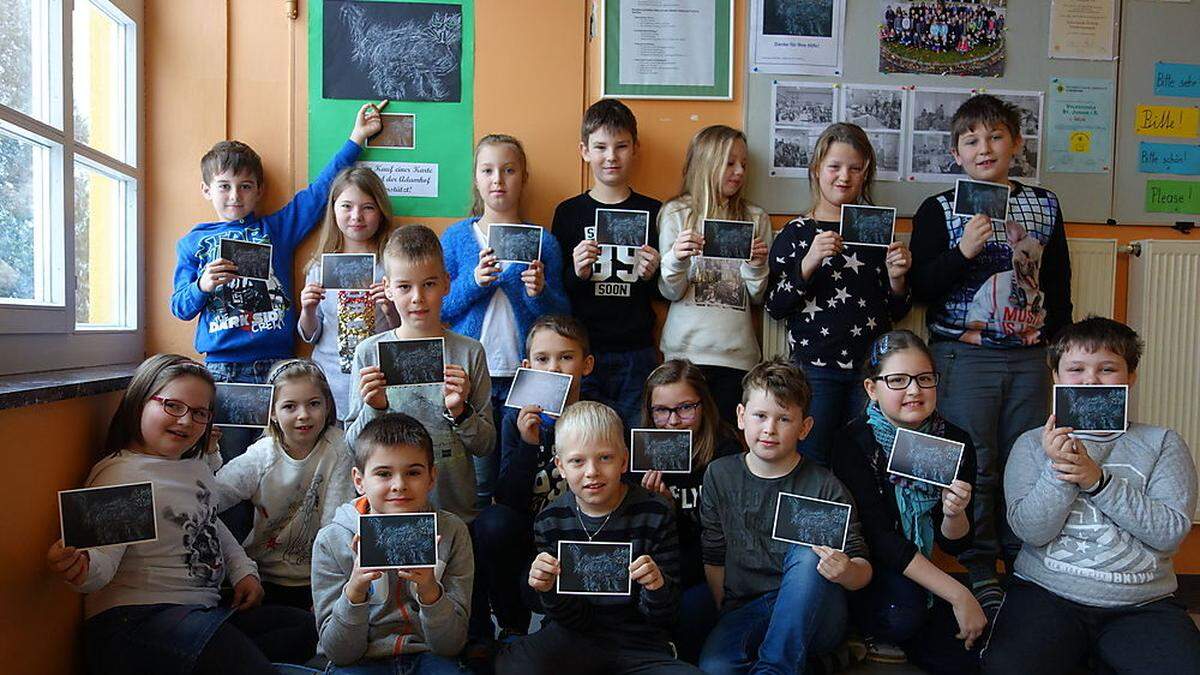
(408, 61)
(601, 572)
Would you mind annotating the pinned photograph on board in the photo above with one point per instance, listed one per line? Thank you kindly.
(863, 225)
(801, 105)
(515, 243)
(399, 132)
(594, 568)
(665, 450)
(728, 239)
(942, 38)
(397, 541)
(930, 459)
(810, 521)
(622, 227)
(813, 18)
(973, 197)
(108, 515)
(874, 107)
(794, 148)
(412, 363)
(243, 405)
(542, 388)
(800, 112)
(347, 271)
(253, 260)
(1092, 408)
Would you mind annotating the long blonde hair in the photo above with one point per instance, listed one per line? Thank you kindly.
(369, 182)
(702, 171)
(494, 139)
(853, 136)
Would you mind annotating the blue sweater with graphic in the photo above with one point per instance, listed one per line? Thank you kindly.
(250, 319)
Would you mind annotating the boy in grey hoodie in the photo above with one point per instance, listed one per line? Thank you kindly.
(1099, 517)
(416, 618)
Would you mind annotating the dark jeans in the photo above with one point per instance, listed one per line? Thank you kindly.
(299, 597)
(697, 616)
(837, 398)
(1039, 632)
(503, 541)
(618, 380)
(558, 649)
(239, 518)
(726, 387)
(425, 663)
(487, 468)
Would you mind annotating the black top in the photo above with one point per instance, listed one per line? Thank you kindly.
(614, 304)
(685, 488)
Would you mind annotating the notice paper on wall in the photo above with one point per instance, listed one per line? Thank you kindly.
(1083, 29)
(1172, 196)
(1079, 112)
(1177, 79)
(1173, 158)
(407, 179)
(1166, 120)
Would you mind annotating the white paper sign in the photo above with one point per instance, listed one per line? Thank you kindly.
(667, 42)
(406, 179)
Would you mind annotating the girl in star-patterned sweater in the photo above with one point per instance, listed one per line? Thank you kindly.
(836, 298)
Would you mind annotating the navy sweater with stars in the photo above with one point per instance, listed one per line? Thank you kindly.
(833, 317)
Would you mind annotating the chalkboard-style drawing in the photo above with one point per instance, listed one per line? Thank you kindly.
(594, 568)
(347, 271)
(929, 38)
(729, 239)
(253, 260)
(717, 283)
(665, 450)
(930, 459)
(622, 227)
(243, 405)
(515, 243)
(411, 363)
(402, 51)
(397, 541)
(868, 225)
(810, 521)
(972, 197)
(803, 18)
(541, 388)
(1092, 408)
(399, 132)
(108, 515)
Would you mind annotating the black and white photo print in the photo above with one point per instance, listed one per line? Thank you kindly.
(347, 271)
(253, 260)
(622, 227)
(665, 450)
(541, 388)
(397, 541)
(975, 196)
(243, 405)
(515, 243)
(411, 363)
(868, 225)
(810, 521)
(930, 459)
(108, 515)
(728, 239)
(1092, 408)
(594, 568)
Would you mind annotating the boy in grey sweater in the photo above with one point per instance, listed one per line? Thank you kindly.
(1099, 517)
(414, 618)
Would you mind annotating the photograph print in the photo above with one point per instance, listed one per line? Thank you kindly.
(942, 38)
(399, 132)
(397, 541)
(728, 239)
(400, 51)
(811, 522)
(253, 260)
(665, 450)
(798, 18)
(412, 363)
(933, 108)
(794, 148)
(515, 243)
(1092, 408)
(542, 388)
(717, 283)
(926, 458)
(868, 225)
(594, 568)
(243, 405)
(930, 158)
(874, 107)
(108, 515)
(1029, 106)
(887, 153)
(347, 271)
(803, 105)
(972, 197)
(800, 112)
(622, 227)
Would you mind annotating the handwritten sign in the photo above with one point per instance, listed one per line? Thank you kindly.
(1172, 196)
(1174, 158)
(407, 179)
(1177, 79)
(1166, 120)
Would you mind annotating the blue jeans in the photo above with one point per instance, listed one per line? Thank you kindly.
(754, 638)
(837, 398)
(618, 380)
(244, 372)
(697, 616)
(487, 468)
(503, 544)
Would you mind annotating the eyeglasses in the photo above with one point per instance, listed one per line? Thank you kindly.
(176, 408)
(685, 411)
(900, 381)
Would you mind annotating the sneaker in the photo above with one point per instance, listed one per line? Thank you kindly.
(879, 651)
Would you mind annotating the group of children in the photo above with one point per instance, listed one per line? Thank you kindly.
(1085, 524)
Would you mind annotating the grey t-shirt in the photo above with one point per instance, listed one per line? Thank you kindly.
(737, 511)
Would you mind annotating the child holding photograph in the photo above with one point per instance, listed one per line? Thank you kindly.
(406, 620)
(630, 633)
(611, 287)
(709, 321)
(781, 604)
(358, 215)
(835, 299)
(910, 602)
(153, 606)
(1099, 516)
(992, 362)
(295, 476)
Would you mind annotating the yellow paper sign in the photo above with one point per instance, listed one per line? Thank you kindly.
(1167, 120)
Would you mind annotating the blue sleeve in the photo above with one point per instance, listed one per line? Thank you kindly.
(553, 298)
(518, 466)
(187, 300)
(288, 226)
(464, 292)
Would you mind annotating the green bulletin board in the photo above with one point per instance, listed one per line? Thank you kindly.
(444, 131)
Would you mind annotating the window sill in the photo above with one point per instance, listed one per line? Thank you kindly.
(56, 385)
